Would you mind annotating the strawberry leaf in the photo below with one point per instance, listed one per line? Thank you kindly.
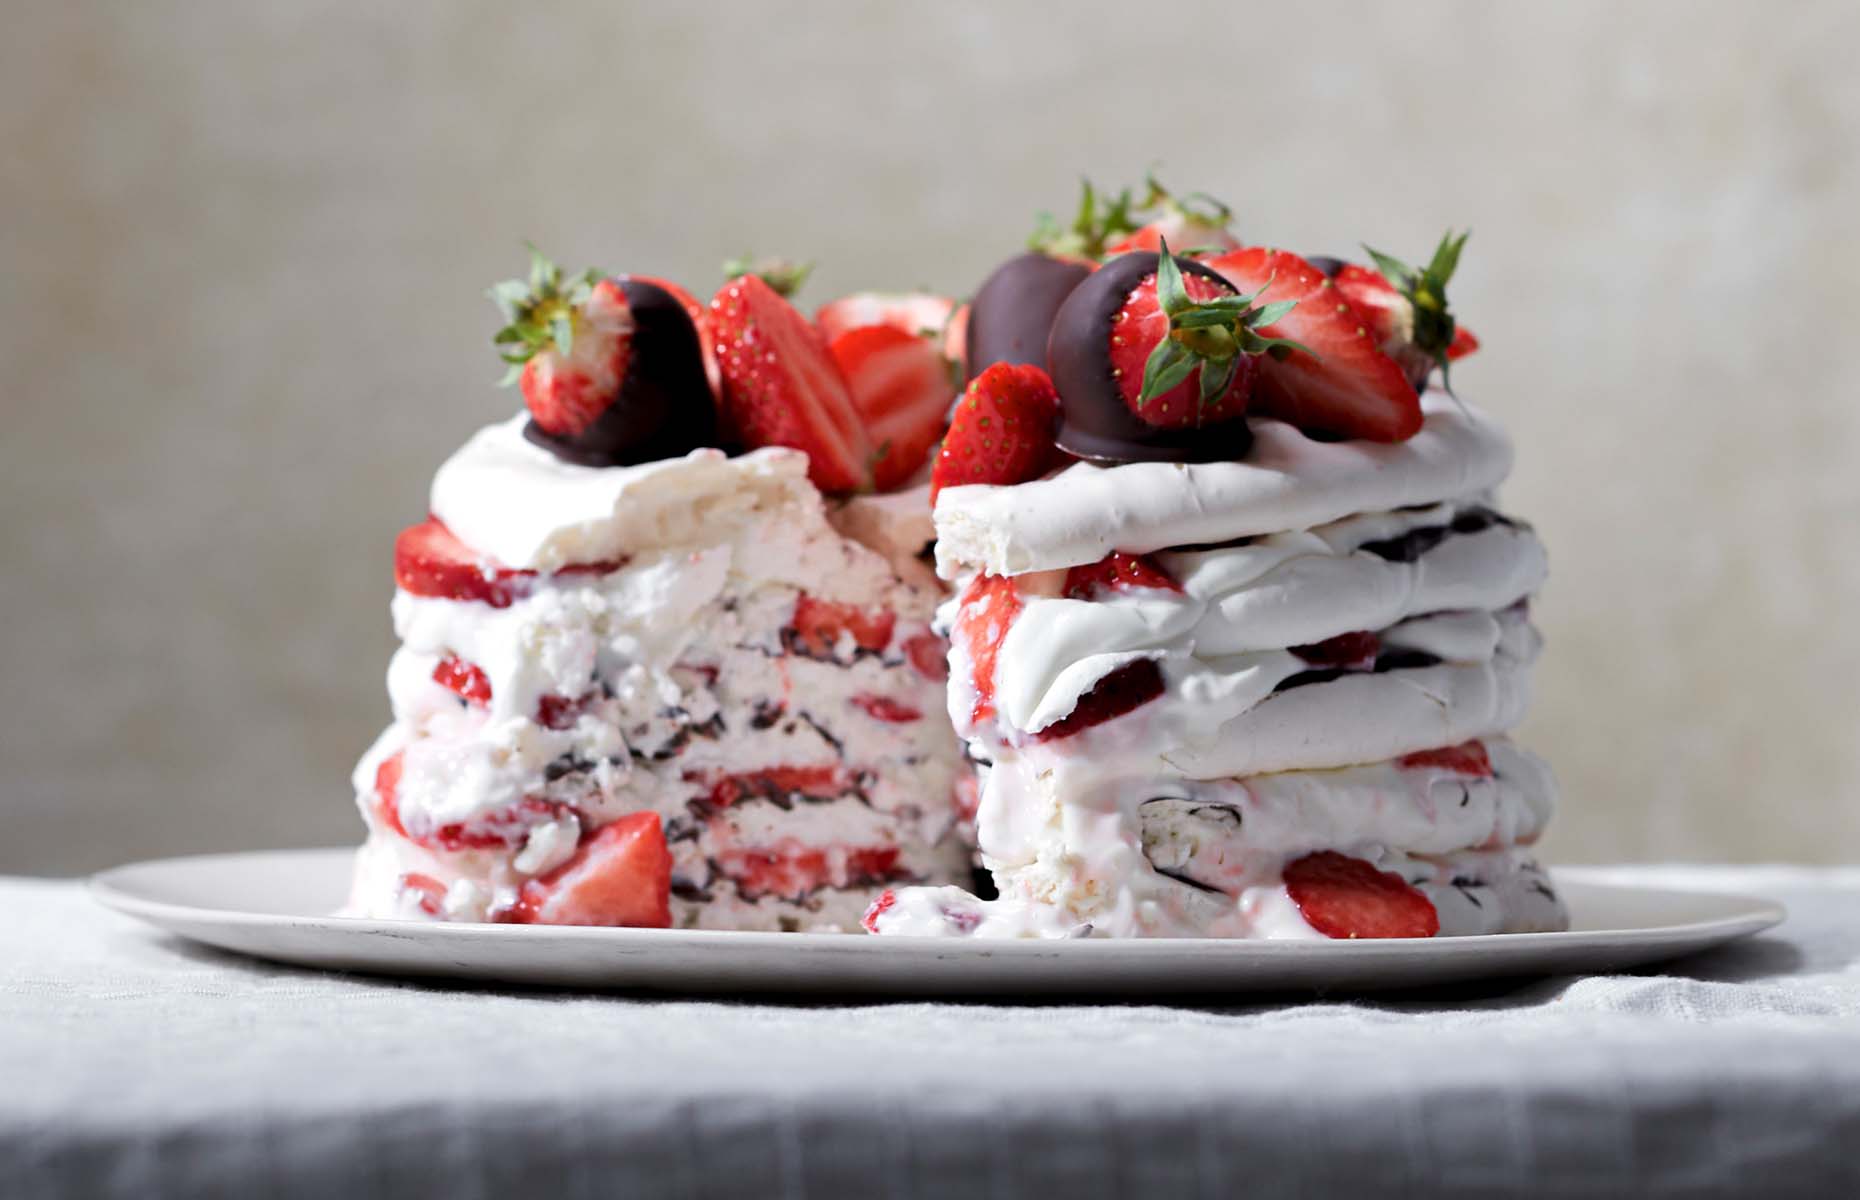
(1167, 365)
(1171, 293)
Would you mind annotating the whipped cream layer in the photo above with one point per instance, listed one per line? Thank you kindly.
(1288, 481)
(509, 498)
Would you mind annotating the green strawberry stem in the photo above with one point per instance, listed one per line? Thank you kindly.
(784, 275)
(1209, 334)
(1426, 291)
(539, 313)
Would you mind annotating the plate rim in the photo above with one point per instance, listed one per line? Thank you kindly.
(1749, 915)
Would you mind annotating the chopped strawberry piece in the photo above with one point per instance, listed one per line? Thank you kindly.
(1467, 758)
(956, 336)
(989, 606)
(387, 793)
(1002, 430)
(622, 875)
(1138, 327)
(1344, 897)
(917, 313)
(775, 783)
(884, 708)
(790, 869)
(430, 561)
(489, 831)
(467, 680)
(1129, 687)
(432, 893)
(930, 655)
(558, 712)
(1352, 651)
(699, 313)
(879, 907)
(1117, 570)
(780, 387)
(819, 625)
(1351, 388)
(1463, 343)
(901, 387)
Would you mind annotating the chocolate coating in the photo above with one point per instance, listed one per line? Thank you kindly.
(665, 408)
(1325, 263)
(1094, 420)
(1012, 312)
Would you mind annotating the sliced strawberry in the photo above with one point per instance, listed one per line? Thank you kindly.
(792, 870)
(1137, 328)
(699, 313)
(431, 892)
(884, 708)
(467, 680)
(930, 655)
(505, 827)
(1351, 389)
(819, 625)
(565, 392)
(956, 336)
(620, 876)
(780, 387)
(387, 793)
(919, 313)
(901, 386)
(1463, 343)
(1129, 687)
(1344, 897)
(1467, 758)
(1117, 570)
(1002, 430)
(1351, 651)
(821, 782)
(430, 561)
(988, 608)
(879, 908)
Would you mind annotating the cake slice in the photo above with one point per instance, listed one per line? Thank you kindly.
(1245, 666)
(643, 679)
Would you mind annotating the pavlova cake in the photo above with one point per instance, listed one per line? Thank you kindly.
(644, 677)
(1239, 629)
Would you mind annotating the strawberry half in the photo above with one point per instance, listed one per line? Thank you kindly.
(780, 387)
(901, 388)
(1344, 897)
(1001, 432)
(919, 313)
(620, 876)
(1344, 386)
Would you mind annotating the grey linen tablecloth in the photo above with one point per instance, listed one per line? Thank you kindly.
(134, 1064)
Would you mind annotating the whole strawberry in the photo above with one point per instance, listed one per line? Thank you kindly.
(1001, 431)
(611, 370)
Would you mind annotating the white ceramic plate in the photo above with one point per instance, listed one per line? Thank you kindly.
(275, 905)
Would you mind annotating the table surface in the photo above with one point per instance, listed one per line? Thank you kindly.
(135, 1064)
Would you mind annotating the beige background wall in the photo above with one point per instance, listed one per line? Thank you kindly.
(242, 247)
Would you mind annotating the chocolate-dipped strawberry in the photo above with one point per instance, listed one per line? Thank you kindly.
(611, 369)
(1012, 313)
(1155, 358)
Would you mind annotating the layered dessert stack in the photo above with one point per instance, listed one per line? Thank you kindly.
(1240, 628)
(643, 678)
